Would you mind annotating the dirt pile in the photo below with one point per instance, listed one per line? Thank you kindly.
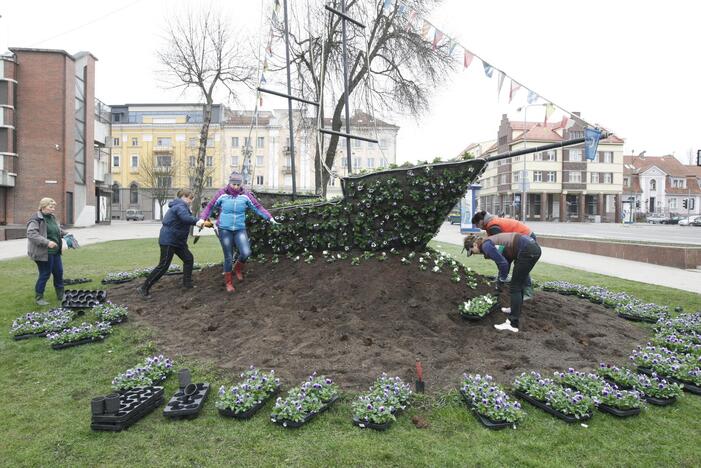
(353, 322)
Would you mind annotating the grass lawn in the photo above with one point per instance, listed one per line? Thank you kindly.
(46, 405)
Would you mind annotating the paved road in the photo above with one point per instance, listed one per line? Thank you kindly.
(663, 233)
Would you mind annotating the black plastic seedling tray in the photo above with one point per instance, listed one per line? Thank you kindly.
(371, 425)
(660, 401)
(544, 406)
(29, 335)
(133, 405)
(484, 420)
(248, 414)
(295, 424)
(181, 406)
(69, 282)
(621, 413)
(71, 344)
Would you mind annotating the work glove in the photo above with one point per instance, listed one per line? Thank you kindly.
(71, 241)
(273, 221)
(208, 224)
(199, 223)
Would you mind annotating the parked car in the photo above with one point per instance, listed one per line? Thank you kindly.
(135, 215)
(657, 218)
(697, 221)
(454, 217)
(689, 221)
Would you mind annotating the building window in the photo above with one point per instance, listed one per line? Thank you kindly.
(133, 194)
(356, 163)
(383, 162)
(260, 142)
(164, 181)
(259, 180)
(163, 161)
(210, 161)
(574, 177)
(575, 156)
(516, 177)
(344, 162)
(193, 161)
(653, 185)
(192, 142)
(503, 179)
(234, 142)
(384, 143)
(209, 181)
(163, 141)
(115, 193)
(672, 203)
(134, 161)
(371, 162)
(608, 177)
(691, 203)
(134, 141)
(626, 181)
(246, 142)
(678, 183)
(608, 157)
(552, 176)
(115, 141)
(259, 160)
(235, 161)
(537, 176)
(357, 143)
(210, 142)
(115, 160)
(594, 178)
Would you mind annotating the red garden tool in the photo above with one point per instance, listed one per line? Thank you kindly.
(420, 377)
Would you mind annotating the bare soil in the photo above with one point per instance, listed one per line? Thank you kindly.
(354, 322)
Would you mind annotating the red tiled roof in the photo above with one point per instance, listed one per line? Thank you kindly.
(539, 133)
(633, 166)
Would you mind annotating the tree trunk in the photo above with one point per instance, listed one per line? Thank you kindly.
(201, 154)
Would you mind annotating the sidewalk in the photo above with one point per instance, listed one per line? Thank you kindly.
(676, 278)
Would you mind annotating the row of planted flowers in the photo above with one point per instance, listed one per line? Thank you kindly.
(625, 305)
(56, 325)
(118, 277)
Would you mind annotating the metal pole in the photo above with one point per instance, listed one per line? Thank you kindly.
(523, 174)
(289, 105)
(345, 86)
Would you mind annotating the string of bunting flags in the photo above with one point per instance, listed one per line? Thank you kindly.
(438, 38)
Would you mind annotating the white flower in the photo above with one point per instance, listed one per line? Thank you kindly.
(436, 269)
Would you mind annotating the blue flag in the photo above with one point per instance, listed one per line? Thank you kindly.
(532, 97)
(591, 142)
(488, 69)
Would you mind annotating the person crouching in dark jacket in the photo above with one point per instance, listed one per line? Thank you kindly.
(520, 250)
(173, 240)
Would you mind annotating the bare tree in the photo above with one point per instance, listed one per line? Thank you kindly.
(203, 54)
(157, 174)
(405, 67)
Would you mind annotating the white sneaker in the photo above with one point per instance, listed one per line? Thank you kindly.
(506, 310)
(506, 326)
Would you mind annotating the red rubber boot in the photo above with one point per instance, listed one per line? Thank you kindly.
(229, 278)
(238, 269)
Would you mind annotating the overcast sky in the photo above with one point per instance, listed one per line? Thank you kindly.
(633, 67)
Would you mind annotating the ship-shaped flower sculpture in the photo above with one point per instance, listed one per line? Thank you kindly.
(395, 208)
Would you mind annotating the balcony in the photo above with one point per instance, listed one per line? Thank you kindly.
(7, 170)
(287, 169)
(163, 149)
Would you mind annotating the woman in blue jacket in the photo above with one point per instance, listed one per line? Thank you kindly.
(232, 228)
(173, 240)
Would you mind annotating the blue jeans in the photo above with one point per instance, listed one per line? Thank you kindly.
(228, 240)
(53, 266)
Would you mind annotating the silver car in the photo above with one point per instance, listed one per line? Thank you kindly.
(689, 221)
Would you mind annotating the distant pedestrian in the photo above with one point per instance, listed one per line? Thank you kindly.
(173, 241)
(44, 246)
(523, 251)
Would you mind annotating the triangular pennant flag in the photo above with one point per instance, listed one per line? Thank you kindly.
(500, 81)
(451, 47)
(514, 89)
(563, 122)
(412, 16)
(467, 60)
(402, 9)
(437, 38)
(570, 123)
(265, 64)
(262, 79)
(532, 97)
(387, 4)
(425, 29)
(488, 69)
(549, 109)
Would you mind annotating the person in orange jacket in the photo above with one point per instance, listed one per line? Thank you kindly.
(497, 225)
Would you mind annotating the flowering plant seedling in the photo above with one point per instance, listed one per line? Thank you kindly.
(41, 322)
(489, 399)
(253, 390)
(152, 370)
(478, 306)
(83, 331)
(109, 312)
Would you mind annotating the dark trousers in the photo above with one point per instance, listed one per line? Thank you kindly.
(525, 261)
(53, 266)
(167, 252)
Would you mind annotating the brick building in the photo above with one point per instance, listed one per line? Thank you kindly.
(560, 184)
(51, 141)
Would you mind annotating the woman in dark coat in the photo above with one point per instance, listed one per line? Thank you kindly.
(173, 241)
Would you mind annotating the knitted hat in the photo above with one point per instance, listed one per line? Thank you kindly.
(236, 178)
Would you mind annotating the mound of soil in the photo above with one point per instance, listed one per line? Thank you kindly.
(354, 322)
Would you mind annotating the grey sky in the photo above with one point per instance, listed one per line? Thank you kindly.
(631, 66)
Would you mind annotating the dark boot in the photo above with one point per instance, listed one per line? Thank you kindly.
(39, 299)
(238, 269)
(59, 294)
(229, 280)
(188, 285)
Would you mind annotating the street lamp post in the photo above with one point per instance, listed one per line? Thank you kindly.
(524, 174)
